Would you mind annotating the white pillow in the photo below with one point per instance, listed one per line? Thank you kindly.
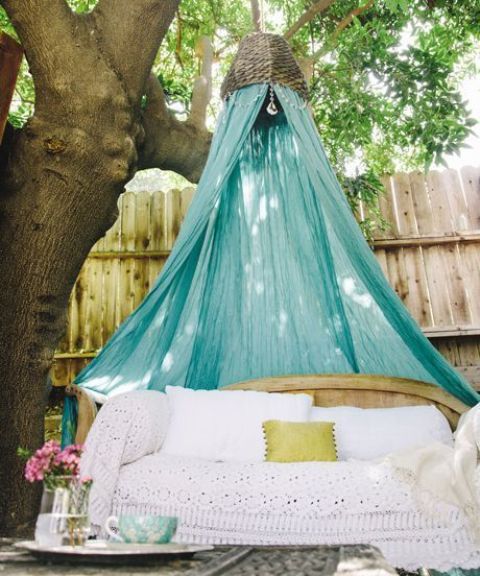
(369, 433)
(227, 425)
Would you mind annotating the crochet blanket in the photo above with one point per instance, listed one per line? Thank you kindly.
(268, 503)
(127, 428)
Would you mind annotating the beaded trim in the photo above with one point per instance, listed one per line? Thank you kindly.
(272, 94)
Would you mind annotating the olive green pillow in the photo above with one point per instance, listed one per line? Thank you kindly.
(299, 441)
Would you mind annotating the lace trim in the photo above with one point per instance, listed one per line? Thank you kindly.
(406, 540)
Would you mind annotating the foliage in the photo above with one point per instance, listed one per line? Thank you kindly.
(384, 91)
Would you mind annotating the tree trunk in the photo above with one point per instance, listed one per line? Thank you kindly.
(58, 199)
(60, 179)
(58, 194)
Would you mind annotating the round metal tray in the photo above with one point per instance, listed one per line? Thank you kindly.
(102, 552)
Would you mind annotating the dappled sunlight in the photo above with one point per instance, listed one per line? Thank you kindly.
(282, 323)
(247, 195)
(159, 318)
(167, 363)
(147, 376)
(350, 289)
(262, 208)
(189, 329)
(273, 202)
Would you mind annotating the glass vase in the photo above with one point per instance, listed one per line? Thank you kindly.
(63, 518)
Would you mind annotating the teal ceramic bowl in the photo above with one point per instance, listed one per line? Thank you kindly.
(142, 529)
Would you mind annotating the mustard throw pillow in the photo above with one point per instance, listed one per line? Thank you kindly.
(299, 441)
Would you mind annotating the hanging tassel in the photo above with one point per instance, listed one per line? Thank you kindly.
(271, 108)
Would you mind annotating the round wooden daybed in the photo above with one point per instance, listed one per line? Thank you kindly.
(361, 390)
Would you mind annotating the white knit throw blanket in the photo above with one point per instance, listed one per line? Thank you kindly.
(129, 426)
(447, 474)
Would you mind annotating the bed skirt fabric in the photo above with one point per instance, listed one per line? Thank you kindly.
(301, 503)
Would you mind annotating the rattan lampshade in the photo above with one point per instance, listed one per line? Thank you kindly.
(263, 57)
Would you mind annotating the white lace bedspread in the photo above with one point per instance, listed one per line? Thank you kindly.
(301, 503)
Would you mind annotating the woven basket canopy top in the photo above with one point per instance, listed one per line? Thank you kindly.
(263, 57)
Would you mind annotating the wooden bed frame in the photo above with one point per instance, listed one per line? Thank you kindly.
(361, 390)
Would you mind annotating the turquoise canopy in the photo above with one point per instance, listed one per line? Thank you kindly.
(270, 274)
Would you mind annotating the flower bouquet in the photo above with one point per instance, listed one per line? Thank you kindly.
(64, 508)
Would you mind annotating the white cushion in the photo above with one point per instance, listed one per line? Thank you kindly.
(227, 425)
(366, 434)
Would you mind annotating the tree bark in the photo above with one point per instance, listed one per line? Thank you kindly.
(60, 178)
(169, 143)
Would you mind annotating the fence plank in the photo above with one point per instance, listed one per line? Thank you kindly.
(386, 204)
(434, 256)
(95, 312)
(142, 221)
(111, 241)
(407, 224)
(442, 220)
(470, 258)
(449, 348)
(79, 309)
(128, 224)
(186, 196)
(421, 203)
(470, 178)
(155, 267)
(397, 275)
(417, 299)
(381, 256)
(439, 295)
(469, 352)
(158, 227)
(142, 242)
(454, 277)
(456, 200)
(110, 298)
(174, 216)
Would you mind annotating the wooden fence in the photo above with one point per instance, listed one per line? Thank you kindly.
(431, 257)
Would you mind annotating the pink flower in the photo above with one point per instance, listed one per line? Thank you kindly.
(50, 461)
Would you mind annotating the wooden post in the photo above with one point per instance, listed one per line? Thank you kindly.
(11, 54)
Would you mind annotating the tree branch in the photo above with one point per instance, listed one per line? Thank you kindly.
(169, 143)
(256, 15)
(202, 88)
(43, 28)
(129, 34)
(178, 45)
(305, 18)
(349, 17)
(341, 26)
